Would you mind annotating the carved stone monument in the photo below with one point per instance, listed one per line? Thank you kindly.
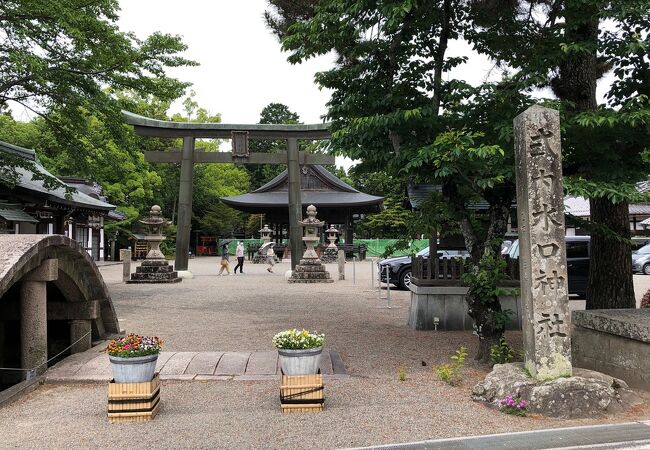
(542, 257)
(155, 268)
(310, 269)
(546, 379)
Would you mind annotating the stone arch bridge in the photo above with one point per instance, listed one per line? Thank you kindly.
(51, 296)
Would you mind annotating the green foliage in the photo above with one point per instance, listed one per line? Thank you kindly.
(501, 353)
(392, 221)
(401, 374)
(451, 372)
(487, 276)
(65, 60)
(273, 113)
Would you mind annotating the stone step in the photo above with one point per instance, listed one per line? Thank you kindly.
(298, 280)
(154, 269)
(170, 280)
(155, 262)
(310, 275)
(154, 276)
(92, 366)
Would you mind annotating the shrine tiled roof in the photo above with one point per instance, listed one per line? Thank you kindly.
(318, 187)
(26, 182)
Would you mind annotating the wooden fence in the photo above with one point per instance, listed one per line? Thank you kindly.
(449, 272)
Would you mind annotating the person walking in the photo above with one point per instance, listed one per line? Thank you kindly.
(239, 252)
(225, 261)
(270, 258)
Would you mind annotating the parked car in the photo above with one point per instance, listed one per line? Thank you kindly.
(641, 260)
(399, 267)
(578, 253)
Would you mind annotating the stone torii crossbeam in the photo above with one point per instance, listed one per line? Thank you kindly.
(239, 134)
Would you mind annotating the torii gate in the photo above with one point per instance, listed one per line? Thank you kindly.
(239, 134)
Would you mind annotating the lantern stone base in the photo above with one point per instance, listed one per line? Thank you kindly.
(310, 271)
(154, 271)
(330, 255)
(585, 394)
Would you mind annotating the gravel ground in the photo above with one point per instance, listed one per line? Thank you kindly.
(242, 313)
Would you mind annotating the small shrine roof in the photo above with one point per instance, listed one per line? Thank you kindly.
(318, 187)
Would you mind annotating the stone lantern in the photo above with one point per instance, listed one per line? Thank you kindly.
(311, 226)
(332, 234)
(310, 269)
(265, 234)
(155, 268)
(330, 254)
(155, 223)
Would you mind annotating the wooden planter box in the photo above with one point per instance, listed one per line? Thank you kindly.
(302, 393)
(133, 402)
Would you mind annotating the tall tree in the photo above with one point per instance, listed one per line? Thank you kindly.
(275, 113)
(568, 45)
(395, 107)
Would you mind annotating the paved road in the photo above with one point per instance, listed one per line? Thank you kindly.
(633, 435)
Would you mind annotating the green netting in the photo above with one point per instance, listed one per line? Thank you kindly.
(376, 247)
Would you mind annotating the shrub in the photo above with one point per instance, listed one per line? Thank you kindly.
(298, 340)
(450, 372)
(401, 374)
(501, 353)
(134, 345)
(513, 405)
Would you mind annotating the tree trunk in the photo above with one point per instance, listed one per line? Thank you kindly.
(486, 314)
(484, 305)
(610, 270)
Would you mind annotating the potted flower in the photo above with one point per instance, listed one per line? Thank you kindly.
(299, 351)
(133, 358)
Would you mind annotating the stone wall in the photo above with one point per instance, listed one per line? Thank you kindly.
(448, 304)
(615, 342)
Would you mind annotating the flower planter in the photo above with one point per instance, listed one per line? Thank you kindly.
(300, 362)
(140, 369)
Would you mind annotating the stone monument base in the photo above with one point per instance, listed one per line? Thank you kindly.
(330, 255)
(310, 271)
(585, 394)
(154, 271)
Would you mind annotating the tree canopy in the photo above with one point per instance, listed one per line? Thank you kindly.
(396, 105)
(65, 61)
(261, 174)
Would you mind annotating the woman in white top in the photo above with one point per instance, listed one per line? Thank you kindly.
(239, 253)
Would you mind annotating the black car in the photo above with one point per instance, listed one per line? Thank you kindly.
(399, 267)
(578, 253)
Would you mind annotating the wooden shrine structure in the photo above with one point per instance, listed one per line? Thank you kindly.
(337, 202)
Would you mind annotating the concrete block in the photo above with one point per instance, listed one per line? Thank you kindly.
(454, 313)
(589, 343)
(629, 354)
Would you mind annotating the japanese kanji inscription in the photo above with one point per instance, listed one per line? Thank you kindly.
(540, 206)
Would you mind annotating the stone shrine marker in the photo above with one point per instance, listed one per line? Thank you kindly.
(542, 254)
